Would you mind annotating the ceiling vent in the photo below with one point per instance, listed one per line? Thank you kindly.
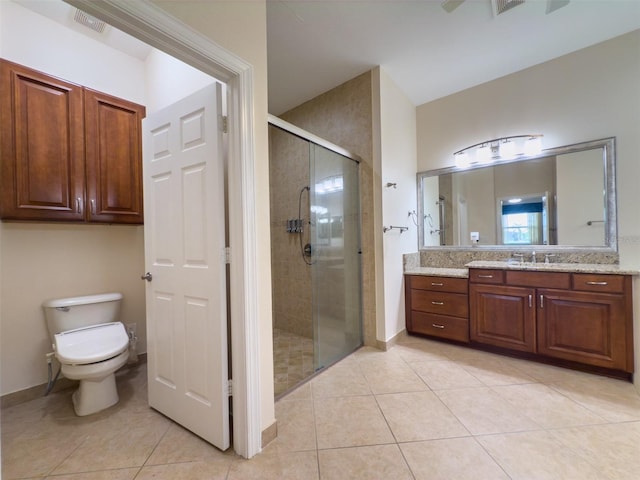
(89, 21)
(501, 6)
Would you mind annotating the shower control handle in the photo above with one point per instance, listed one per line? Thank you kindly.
(147, 276)
(307, 250)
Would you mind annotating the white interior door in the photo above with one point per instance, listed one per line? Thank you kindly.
(184, 253)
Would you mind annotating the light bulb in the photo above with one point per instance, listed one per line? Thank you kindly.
(507, 150)
(533, 146)
(483, 154)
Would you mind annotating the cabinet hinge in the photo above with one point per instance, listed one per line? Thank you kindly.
(225, 124)
(227, 255)
(230, 388)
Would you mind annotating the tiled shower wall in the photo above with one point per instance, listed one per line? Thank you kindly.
(291, 277)
(343, 116)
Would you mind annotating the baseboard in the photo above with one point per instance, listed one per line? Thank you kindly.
(269, 434)
(31, 393)
(392, 341)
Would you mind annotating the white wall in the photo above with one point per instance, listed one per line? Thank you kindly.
(397, 147)
(168, 80)
(45, 260)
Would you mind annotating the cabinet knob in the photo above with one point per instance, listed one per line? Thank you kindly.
(147, 276)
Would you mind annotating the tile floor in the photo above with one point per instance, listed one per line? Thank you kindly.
(292, 360)
(422, 410)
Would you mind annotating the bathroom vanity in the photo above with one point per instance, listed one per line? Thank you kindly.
(576, 315)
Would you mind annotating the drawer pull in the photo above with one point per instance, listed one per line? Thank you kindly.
(596, 283)
(541, 301)
(434, 284)
(485, 276)
(437, 303)
(530, 301)
(435, 325)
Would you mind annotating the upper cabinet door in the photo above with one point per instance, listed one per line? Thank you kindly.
(113, 159)
(42, 146)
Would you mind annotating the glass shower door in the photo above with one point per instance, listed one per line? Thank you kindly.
(335, 255)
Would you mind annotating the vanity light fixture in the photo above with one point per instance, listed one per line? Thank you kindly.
(499, 149)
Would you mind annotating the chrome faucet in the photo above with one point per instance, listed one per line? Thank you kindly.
(533, 257)
(520, 256)
(547, 257)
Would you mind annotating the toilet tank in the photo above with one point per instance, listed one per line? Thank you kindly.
(63, 314)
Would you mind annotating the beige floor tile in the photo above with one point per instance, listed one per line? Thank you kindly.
(391, 376)
(122, 442)
(200, 470)
(344, 378)
(419, 416)
(455, 458)
(420, 352)
(548, 373)
(537, 456)
(180, 445)
(496, 371)
(483, 411)
(350, 421)
(121, 474)
(613, 400)
(296, 427)
(613, 449)
(547, 407)
(377, 462)
(445, 374)
(37, 452)
(276, 466)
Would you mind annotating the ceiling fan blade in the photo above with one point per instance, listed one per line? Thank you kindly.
(450, 5)
(553, 5)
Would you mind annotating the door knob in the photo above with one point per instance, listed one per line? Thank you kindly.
(147, 276)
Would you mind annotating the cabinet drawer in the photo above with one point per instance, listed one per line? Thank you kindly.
(442, 326)
(479, 275)
(598, 283)
(442, 284)
(443, 303)
(538, 279)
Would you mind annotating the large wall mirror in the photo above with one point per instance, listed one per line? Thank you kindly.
(564, 198)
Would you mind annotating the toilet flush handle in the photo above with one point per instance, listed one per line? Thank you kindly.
(147, 276)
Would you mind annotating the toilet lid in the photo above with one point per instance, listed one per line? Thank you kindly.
(91, 344)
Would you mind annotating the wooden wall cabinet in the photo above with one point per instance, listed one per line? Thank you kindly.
(68, 153)
(583, 318)
(437, 306)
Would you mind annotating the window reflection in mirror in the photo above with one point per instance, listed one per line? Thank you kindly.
(565, 197)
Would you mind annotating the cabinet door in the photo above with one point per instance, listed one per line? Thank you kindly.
(503, 316)
(113, 159)
(585, 327)
(42, 146)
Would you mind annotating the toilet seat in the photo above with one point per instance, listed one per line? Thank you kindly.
(91, 344)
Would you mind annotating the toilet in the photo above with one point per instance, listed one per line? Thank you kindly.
(90, 345)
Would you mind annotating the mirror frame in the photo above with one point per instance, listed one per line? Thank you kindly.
(611, 219)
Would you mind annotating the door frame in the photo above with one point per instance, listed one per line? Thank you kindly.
(154, 26)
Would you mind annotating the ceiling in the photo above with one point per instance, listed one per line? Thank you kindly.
(314, 46)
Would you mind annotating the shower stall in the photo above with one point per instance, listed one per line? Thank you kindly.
(315, 253)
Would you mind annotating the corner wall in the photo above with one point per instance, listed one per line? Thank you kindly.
(395, 147)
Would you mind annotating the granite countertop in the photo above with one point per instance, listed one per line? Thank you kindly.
(438, 272)
(557, 267)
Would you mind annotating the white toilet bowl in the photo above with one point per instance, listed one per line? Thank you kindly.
(90, 345)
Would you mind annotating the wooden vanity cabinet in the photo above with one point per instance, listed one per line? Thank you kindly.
(437, 306)
(585, 318)
(503, 316)
(68, 153)
(593, 328)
